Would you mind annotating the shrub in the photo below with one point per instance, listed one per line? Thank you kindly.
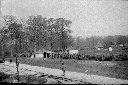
(3, 76)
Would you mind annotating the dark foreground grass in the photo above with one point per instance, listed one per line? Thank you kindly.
(120, 70)
(25, 79)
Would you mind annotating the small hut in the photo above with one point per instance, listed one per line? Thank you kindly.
(110, 49)
(99, 46)
(39, 55)
(71, 50)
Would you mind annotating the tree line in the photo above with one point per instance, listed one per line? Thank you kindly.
(106, 41)
(35, 33)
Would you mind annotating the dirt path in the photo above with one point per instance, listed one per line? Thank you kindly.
(94, 79)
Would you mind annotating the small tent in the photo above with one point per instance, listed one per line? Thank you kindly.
(110, 49)
(71, 50)
(39, 55)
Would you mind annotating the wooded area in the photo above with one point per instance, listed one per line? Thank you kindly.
(37, 33)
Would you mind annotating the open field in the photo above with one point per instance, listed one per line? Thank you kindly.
(114, 69)
(56, 74)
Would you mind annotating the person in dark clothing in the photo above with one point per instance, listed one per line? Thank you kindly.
(10, 60)
(63, 69)
(45, 54)
(48, 55)
(34, 55)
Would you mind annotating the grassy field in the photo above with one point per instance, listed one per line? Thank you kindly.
(119, 70)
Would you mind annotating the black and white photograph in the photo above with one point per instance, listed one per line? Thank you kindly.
(64, 41)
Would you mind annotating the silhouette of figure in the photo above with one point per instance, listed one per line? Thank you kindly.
(45, 55)
(63, 69)
(10, 60)
(34, 55)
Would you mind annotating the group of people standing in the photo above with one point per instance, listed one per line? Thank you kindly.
(113, 57)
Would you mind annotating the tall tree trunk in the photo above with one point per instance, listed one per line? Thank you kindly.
(11, 53)
(35, 45)
(51, 46)
(2, 50)
(17, 66)
(17, 62)
(51, 41)
(45, 43)
(35, 49)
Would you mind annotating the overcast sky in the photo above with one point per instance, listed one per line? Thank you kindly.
(89, 17)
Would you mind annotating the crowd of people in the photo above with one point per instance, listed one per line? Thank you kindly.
(113, 57)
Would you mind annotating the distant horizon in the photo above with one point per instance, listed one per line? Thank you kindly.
(99, 36)
(89, 17)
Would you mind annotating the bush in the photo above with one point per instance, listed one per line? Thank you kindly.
(3, 76)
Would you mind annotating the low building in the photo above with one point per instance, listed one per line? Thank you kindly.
(39, 55)
(71, 50)
(99, 46)
(118, 48)
(110, 49)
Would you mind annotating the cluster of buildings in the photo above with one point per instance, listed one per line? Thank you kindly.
(99, 47)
